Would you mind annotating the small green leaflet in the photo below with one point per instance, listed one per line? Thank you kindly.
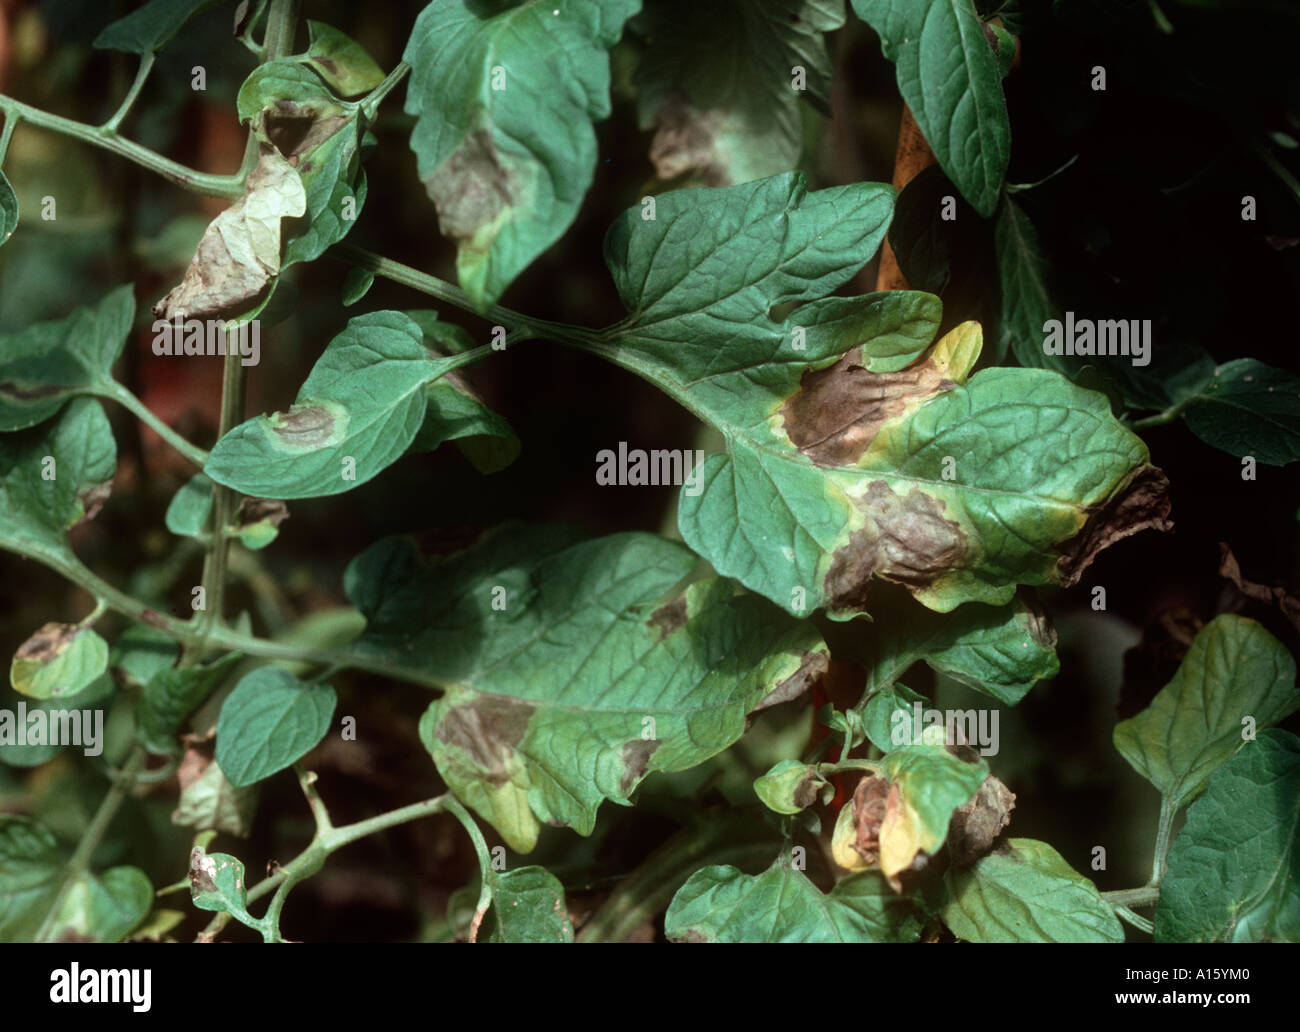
(455, 413)
(572, 671)
(141, 651)
(791, 786)
(717, 83)
(1235, 678)
(356, 414)
(97, 908)
(1234, 869)
(188, 512)
(884, 465)
(8, 209)
(19, 750)
(44, 365)
(527, 906)
(950, 77)
(148, 29)
(217, 883)
(57, 661)
(504, 96)
(1248, 408)
(1025, 892)
(722, 904)
(340, 60)
(270, 720)
(77, 456)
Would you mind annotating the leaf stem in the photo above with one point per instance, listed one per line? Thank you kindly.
(1144, 896)
(1159, 863)
(11, 123)
(453, 295)
(371, 101)
(142, 73)
(323, 843)
(123, 396)
(1137, 921)
(109, 140)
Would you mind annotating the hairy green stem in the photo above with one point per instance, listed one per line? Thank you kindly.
(141, 411)
(1144, 896)
(142, 73)
(326, 841)
(109, 140)
(1136, 920)
(527, 326)
(370, 103)
(1160, 861)
(11, 123)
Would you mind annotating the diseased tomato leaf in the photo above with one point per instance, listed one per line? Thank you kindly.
(881, 465)
(504, 97)
(572, 669)
(717, 82)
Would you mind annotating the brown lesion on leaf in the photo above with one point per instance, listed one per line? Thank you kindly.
(257, 510)
(1140, 503)
(33, 392)
(48, 643)
(686, 140)
(1230, 569)
(92, 499)
(837, 411)
(870, 802)
(976, 826)
(487, 730)
(298, 129)
(812, 668)
(636, 761)
(669, 617)
(472, 187)
(304, 426)
(906, 539)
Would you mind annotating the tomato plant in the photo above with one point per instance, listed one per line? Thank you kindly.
(804, 568)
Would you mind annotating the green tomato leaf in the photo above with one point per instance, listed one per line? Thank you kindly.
(97, 908)
(151, 27)
(951, 80)
(8, 209)
(356, 414)
(356, 284)
(1025, 892)
(1248, 408)
(52, 477)
(722, 904)
(269, 721)
(1002, 651)
(57, 661)
(44, 365)
(189, 510)
(141, 651)
(504, 96)
(878, 719)
(572, 671)
(1235, 678)
(833, 477)
(1026, 299)
(527, 906)
(173, 694)
(454, 412)
(1234, 869)
(340, 60)
(717, 83)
